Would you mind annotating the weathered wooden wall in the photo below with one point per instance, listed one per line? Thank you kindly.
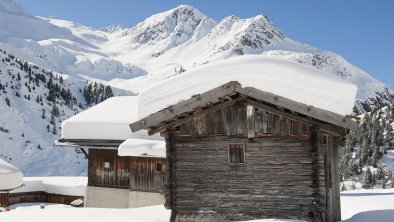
(332, 181)
(36, 196)
(232, 121)
(144, 175)
(284, 175)
(275, 181)
(4, 199)
(135, 173)
(118, 173)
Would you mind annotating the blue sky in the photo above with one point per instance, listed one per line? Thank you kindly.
(362, 31)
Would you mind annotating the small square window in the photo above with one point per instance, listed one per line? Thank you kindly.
(158, 167)
(106, 165)
(236, 153)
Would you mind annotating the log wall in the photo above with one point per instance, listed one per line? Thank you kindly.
(233, 121)
(286, 174)
(275, 181)
(4, 199)
(38, 196)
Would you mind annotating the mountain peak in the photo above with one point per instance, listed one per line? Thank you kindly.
(184, 7)
(170, 28)
(112, 28)
(180, 12)
(10, 6)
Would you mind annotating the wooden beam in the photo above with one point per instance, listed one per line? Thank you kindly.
(185, 106)
(84, 152)
(298, 107)
(105, 144)
(250, 114)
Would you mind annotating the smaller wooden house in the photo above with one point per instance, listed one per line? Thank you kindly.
(124, 169)
(239, 153)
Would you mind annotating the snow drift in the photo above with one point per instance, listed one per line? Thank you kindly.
(10, 176)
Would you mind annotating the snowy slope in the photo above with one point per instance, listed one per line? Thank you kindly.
(28, 97)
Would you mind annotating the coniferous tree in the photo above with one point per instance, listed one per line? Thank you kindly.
(54, 131)
(52, 120)
(7, 101)
(367, 181)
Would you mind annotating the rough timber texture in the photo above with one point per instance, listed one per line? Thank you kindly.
(4, 196)
(288, 173)
(232, 120)
(40, 196)
(275, 181)
(333, 190)
(134, 173)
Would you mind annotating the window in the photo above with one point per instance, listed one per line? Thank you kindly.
(106, 165)
(236, 153)
(158, 167)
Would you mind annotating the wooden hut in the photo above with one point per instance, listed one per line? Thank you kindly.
(241, 153)
(134, 179)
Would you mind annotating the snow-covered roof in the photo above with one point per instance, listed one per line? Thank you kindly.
(288, 79)
(108, 120)
(74, 186)
(10, 176)
(142, 147)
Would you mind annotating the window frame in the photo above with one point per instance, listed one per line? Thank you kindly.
(161, 167)
(229, 157)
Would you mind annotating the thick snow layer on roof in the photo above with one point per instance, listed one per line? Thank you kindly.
(284, 78)
(142, 147)
(10, 176)
(108, 120)
(74, 186)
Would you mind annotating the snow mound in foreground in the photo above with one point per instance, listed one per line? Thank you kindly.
(284, 78)
(10, 176)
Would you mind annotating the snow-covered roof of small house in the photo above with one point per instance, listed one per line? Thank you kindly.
(278, 82)
(143, 147)
(108, 120)
(288, 79)
(10, 177)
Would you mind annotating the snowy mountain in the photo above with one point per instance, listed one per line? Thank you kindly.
(33, 104)
(132, 59)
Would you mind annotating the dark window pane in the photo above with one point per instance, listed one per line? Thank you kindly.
(158, 167)
(236, 153)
